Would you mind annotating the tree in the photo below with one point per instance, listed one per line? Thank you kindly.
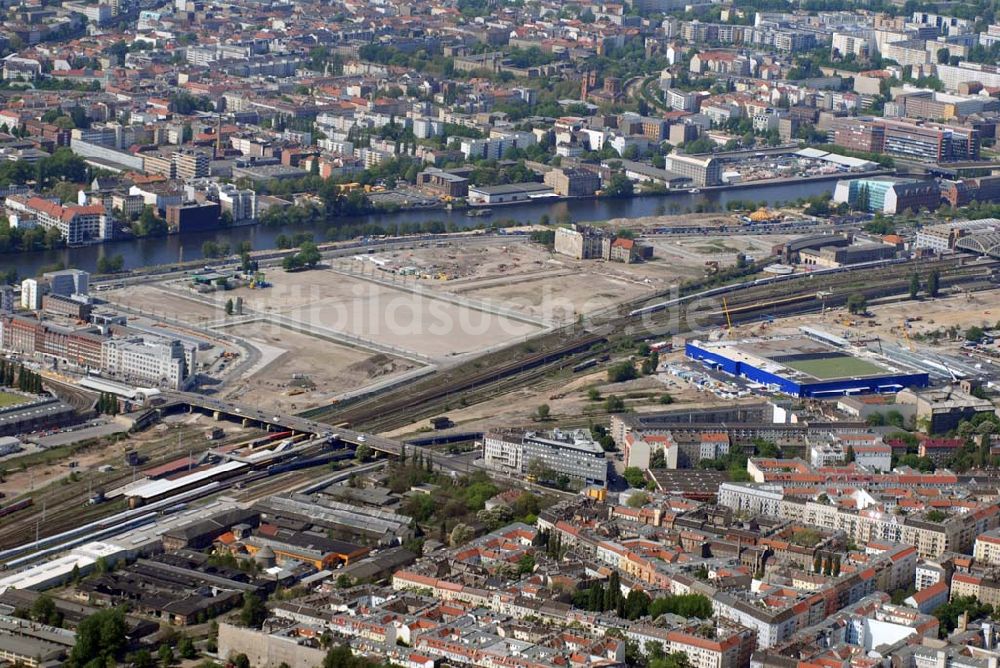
(857, 303)
(229, 306)
(363, 453)
(149, 224)
(634, 476)
(636, 605)
(974, 334)
(185, 647)
(242, 661)
(933, 283)
(914, 285)
(292, 262)
(110, 265)
(618, 185)
(166, 654)
(44, 611)
(614, 404)
(143, 659)
(621, 372)
(461, 534)
(542, 412)
(100, 637)
(254, 612)
(309, 254)
(685, 605)
(637, 500)
(526, 564)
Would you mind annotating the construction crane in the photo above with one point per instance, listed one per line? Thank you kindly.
(725, 309)
(906, 335)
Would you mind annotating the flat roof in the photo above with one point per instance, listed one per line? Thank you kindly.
(82, 557)
(511, 188)
(147, 489)
(800, 358)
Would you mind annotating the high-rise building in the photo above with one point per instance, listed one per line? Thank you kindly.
(6, 299)
(31, 294)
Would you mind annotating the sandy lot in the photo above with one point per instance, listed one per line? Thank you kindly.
(935, 314)
(561, 299)
(166, 301)
(307, 371)
(694, 252)
(391, 316)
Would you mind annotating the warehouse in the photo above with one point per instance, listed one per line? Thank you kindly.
(802, 367)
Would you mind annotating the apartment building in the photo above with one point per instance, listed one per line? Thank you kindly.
(494, 147)
(957, 532)
(78, 225)
(185, 164)
(987, 548)
(241, 203)
(558, 453)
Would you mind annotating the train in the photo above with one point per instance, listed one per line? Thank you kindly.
(270, 438)
(16, 506)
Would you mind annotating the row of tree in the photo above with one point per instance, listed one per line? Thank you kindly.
(828, 566)
(107, 404)
(16, 375)
(932, 286)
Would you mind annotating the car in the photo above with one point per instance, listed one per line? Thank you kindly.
(361, 438)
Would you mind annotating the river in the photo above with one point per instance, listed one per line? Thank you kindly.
(176, 248)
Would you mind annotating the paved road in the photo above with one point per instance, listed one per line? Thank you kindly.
(79, 434)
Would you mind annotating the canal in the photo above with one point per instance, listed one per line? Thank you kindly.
(175, 248)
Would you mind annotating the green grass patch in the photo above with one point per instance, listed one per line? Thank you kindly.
(835, 367)
(10, 399)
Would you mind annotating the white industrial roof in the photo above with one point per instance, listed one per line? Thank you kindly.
(147, 489)
(82, 557)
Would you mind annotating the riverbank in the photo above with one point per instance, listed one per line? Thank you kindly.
(179, 249)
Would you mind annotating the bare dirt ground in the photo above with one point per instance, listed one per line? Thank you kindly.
(980, 309)
(388, 315)
(305, 371)
(165, 300)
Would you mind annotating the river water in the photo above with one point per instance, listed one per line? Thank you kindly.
(175, 248)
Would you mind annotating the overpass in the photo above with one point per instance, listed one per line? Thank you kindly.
(251, 416)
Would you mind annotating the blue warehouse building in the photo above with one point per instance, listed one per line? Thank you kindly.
(803, 367)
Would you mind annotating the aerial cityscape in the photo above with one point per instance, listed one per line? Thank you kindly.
(502, 333)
